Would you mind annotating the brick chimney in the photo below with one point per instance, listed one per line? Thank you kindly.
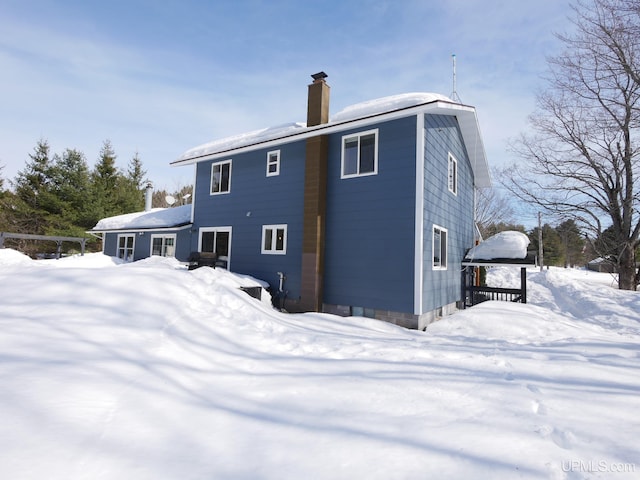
(318, 102)
(315, 198)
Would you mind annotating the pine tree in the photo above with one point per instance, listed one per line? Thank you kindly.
(104, 183)
(33, 190)
(572, 243)
(131, 187)
(71, 185)
(551, 243)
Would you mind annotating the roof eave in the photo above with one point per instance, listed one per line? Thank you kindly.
(466, 117)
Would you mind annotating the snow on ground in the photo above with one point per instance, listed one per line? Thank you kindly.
(151, 371)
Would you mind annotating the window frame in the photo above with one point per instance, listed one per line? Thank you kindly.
(125, 248)
(221, 164)
(216, 231)
(273, 239)
(276, 154)
(163, 247)
(442, 240)
(359, 135)
(452, 171)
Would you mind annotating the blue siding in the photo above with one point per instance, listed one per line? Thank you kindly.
(442, 208)
(369, 243)
(253, 201)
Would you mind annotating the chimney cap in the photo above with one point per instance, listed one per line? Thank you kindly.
(319, 76)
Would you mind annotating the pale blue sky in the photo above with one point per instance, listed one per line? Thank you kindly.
(160, 77)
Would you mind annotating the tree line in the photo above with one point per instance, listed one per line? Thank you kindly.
(580, 158)
(58, 194)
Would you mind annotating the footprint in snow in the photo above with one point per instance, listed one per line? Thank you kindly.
(563, 439)
(538, 408)
(533, 388)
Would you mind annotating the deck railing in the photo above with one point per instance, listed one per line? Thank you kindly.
(475, 294)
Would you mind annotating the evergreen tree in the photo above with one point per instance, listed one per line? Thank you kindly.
(71, 185)
(131, 187)
(572, 243)
(104, 183)
(33, 190)
(135, 172)
(551, 243)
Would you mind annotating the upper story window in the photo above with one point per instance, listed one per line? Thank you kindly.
(360, 154)
(163, 245)
(439, 248)
(273, 163)
(274, 239)
(453, 175)
(221, 177)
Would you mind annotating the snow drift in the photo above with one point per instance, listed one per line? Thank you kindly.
(151, 371)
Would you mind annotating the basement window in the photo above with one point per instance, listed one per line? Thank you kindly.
(274, 239)
(360, 154)
(439, 248)
(273, 163)
(221, 177)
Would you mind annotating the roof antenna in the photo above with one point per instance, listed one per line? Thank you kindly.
(454, 94)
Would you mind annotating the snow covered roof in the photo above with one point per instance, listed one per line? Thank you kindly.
(151, 219)
(390, 107)
(386, 104)
(511, 245)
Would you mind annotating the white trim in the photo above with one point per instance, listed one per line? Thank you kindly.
(359, 135)
(452, 160)
(193, 192)
(228, 229)
(446, 248)
(143, 230)
(418, 274)
(221, 163)
(163, 236)
(133, 246)
(274, 229)
(466, 115)
(276, 163)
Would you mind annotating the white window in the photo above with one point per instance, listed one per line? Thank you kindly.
(274, 239)
(217, 240)
(360, 154)
(221, 177)
(453, 175)
(163, 245)
(273, 163)
(439, 248)
(126, 244)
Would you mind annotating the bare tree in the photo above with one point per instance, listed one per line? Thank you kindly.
(581, 160)
(492, 208)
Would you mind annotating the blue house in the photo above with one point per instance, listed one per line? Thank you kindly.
(158, 231)
(368, 212)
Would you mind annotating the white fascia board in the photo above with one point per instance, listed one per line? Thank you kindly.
(438, 107)
(142, 229)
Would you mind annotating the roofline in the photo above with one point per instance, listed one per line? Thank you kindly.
(181, 226)
(470, 132)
